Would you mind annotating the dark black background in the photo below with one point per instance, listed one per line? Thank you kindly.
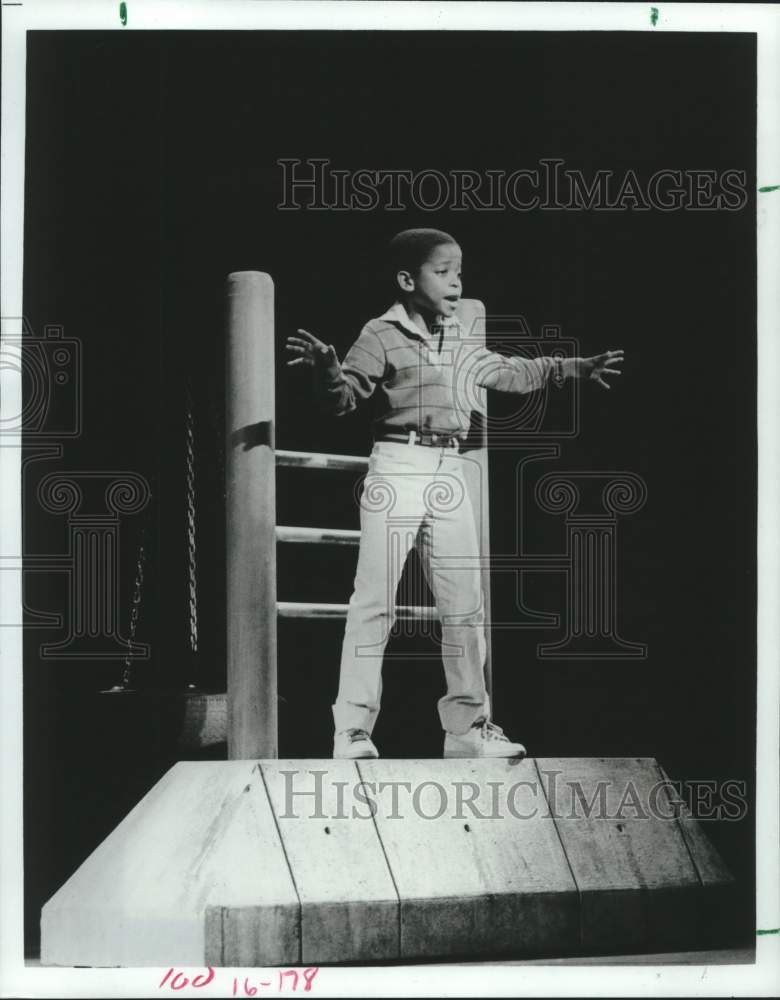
(151, 174)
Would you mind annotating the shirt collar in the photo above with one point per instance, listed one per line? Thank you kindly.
(397, 314)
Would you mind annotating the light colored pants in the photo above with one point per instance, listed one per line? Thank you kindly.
(415, 496)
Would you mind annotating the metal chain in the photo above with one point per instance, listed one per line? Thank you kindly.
(135, 609)
(192, 554)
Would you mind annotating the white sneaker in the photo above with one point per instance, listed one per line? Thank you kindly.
(484, 739)
(353, 744)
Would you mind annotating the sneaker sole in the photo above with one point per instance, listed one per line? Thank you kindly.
(467, 755)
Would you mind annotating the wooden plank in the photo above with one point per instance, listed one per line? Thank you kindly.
(249, 936)
(636, 880)
(475, 875)
(203, 836)
(709, 864)
(349, 906)
(717, 912)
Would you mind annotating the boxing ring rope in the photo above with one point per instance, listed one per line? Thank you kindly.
(333, 536)
(291, 609)
(314, 460)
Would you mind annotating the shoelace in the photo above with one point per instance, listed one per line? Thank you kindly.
(490, 731)
(357, 734)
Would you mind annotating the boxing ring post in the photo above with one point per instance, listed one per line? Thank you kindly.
(472, 316)
(252, 728)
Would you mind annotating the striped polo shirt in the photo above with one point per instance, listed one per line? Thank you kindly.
(421, 381)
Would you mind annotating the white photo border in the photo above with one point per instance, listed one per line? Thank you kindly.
(475, 979)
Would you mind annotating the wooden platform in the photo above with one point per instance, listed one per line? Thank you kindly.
(257, 863)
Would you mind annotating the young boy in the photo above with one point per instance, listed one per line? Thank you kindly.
(414, 492)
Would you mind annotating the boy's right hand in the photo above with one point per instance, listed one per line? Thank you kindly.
(311, 351)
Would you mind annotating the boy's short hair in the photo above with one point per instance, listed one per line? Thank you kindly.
(408, 250)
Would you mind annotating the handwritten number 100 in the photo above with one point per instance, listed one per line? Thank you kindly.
(179, 981)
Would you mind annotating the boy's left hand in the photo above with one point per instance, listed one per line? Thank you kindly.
(601, 364)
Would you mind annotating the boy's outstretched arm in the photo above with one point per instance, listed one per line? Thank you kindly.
(521, 375)
(339, 386)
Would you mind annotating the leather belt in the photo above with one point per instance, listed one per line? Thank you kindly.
(429, 439)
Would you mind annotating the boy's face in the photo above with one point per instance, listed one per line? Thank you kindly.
(437, 286)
